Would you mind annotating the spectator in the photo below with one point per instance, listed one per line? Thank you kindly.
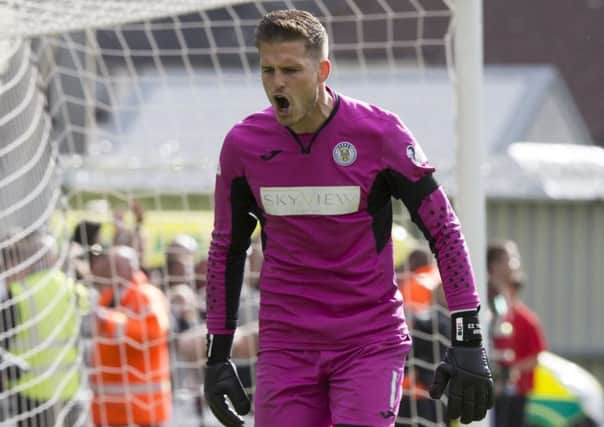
(39, 320)
(188, 329)
(188, 342)
(420, 284)
(425, 309)
(130, 376)
(180, 261)
(503, 260)
(185, 306)
(517, 334)
(125, 235)
(528, 338)
(86, 234)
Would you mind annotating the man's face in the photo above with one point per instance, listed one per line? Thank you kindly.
(503, 269)
(181, 269)
(292, 82)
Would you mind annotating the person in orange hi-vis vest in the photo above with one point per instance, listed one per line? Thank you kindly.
(421, 285)
(130, 377)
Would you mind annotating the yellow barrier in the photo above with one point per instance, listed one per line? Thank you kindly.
(160, 227)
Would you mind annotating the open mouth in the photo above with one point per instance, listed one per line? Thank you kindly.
(282, 103)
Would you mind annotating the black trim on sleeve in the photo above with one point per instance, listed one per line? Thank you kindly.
(379, 207)
(242, 225)
(411, 194)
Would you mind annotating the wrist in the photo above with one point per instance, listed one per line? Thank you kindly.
(219, 348)
(465, 328)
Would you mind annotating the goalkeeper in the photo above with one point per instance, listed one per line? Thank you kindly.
(318, 170)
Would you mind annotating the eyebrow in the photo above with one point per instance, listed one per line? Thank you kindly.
(288, 66)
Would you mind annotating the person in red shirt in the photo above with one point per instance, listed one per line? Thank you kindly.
(528, 339)
(518, 335)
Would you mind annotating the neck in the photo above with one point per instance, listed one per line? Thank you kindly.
(323, 107)
(325, 103)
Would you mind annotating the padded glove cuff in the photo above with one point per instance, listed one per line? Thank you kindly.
(219, 348)
(465, 328)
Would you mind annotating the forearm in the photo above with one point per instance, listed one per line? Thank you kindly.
(431, 211)
(225, 279)
(443, 230)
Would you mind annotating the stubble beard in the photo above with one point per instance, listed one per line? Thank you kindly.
(307, 109)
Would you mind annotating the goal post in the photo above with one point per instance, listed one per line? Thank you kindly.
(107, 107)
(471, 196)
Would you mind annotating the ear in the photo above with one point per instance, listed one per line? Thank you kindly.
(324, 69)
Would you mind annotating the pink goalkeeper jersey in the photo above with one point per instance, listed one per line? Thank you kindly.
(324, 204)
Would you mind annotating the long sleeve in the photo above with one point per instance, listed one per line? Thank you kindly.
(411, 180)
(233, 226)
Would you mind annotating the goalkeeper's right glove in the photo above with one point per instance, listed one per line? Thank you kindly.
(222, 381)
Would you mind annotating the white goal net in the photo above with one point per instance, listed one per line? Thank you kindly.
(112, 114)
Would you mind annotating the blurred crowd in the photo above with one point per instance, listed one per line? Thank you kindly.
(89, 333)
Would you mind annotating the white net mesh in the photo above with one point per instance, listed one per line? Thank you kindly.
(114, 112)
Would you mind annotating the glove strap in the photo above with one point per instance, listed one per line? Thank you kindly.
(219, 348)
(465, 328)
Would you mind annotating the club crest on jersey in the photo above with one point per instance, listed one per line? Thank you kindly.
(344, 153)
(416, 155)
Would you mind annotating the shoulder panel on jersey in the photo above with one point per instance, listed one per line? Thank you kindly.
(260, 120)
(359, 110)
(411, 193)
(402, 153)
(249, 128)
(230, 165)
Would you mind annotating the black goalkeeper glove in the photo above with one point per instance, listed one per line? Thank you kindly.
(466, 370)
(222, 381)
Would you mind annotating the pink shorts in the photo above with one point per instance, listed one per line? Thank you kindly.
(360, 386)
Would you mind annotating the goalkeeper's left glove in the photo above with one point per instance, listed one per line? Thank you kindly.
(465, 368)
